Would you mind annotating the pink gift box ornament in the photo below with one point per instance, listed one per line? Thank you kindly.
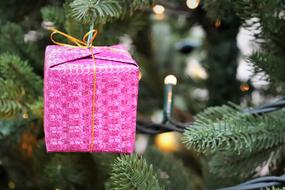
(90, 99)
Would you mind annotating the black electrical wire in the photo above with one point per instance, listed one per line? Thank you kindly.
(178, 124)
(267, 108)
(170, 124)
(155, 128)
(259, 183)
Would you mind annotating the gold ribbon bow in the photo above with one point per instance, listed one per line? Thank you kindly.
(82, 43)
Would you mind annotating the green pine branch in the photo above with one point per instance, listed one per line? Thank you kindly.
(13, 41)
(227, 129)
(11, 99)
(132, 172)
(167, 166)
(90, 11)
(232, 139)
(19, 85)
(269, 62)
(225, 164)
(19, 71)
(101, 11)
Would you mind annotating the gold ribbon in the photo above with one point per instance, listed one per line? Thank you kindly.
(79, 43)
(82, 43)
(93, 100)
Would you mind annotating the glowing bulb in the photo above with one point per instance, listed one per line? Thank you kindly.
(192, 4)
(170, 79)
(140, 75)
(158, 9)
(11, 185)
(244, 87)
(217, 23)
(167, 142)
(25, 115)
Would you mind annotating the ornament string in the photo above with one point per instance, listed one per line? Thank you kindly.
(89, 40)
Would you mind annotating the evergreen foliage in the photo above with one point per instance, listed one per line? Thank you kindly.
(19, 85)
(167, 167)
(97, 11)
(231, 137)
(13, 68)
(90, 11)
(13, 41)
(11, 99)
(133, 172)
(225, 128)
(54, 14)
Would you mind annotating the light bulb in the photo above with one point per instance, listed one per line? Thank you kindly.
(217, 23)
(167, 142)
(170, 79)
(158, 9)
(192, 4)
(11, 185)
(244, 87)
(25, 115)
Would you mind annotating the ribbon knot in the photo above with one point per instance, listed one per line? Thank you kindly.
(80, 43)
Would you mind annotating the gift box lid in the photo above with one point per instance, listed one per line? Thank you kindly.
(58, 55)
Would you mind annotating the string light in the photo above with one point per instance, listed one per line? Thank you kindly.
(158, 9)
(25, 115)
(140, 75)
(192, 4)
(217, 23)
(167, 142)
(11, 185)
(244, 87)
(169, 82)
(170, 79)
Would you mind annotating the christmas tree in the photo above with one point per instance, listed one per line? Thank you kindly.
(220, 146)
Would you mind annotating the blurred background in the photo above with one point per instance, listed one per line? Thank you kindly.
(208, 56)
